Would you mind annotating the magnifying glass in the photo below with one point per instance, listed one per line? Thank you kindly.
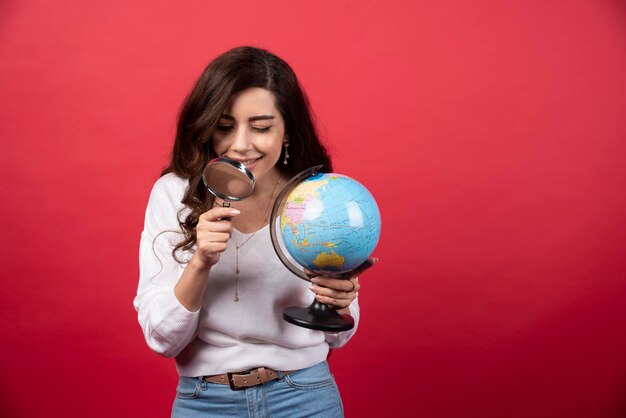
(228, 180)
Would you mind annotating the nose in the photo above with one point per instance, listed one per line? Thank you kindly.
(242, 142)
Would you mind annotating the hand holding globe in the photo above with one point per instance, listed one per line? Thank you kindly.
(338, 293)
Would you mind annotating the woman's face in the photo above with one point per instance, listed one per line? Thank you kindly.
(252, 131)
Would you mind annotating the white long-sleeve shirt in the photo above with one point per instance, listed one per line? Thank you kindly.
(223, 335)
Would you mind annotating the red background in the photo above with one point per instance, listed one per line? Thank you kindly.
(491, 133)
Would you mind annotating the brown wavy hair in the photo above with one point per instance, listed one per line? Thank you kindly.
(228, 74)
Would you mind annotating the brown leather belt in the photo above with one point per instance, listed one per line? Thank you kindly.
(243, 380)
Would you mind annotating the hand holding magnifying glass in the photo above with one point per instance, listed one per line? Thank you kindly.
(230, 181)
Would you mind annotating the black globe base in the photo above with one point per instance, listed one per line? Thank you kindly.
(318, 317)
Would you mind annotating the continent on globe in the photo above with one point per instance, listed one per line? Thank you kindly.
(297, 203)
(329, 260)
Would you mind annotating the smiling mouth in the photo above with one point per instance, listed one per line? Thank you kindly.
(249, 162)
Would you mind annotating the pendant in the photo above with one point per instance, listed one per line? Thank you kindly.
(236, 298)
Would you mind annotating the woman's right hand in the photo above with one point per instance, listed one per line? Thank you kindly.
(212, 234)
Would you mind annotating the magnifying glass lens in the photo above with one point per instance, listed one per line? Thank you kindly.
(228, 179)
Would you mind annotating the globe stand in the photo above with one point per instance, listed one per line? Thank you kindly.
(316, 316)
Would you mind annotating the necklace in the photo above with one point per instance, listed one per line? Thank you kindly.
(238, 246)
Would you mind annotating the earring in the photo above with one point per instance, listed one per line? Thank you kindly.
(286, 153)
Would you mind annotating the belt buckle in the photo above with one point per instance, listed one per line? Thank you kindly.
(231, 382)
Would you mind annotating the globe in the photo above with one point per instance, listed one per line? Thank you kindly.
(329, 223)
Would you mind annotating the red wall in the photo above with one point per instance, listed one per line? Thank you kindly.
(491, 133)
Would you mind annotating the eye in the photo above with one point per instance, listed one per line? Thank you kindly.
(224, 128)
(261, 129)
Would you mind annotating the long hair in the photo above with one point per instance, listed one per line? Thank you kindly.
(230, 73)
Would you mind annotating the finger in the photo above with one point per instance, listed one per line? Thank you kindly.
(343, 285)
(333, 283)
(213, 237)
(211, 247)
(214, 226)
(218, 213)
(348, 293)
(355, 283)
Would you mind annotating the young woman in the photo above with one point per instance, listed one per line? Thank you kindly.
(212, 291)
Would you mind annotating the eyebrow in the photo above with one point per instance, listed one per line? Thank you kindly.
(250, 119)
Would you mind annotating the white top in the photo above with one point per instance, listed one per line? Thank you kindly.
(223, 335)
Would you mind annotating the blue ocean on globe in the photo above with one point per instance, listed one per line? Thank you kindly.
(330, 223)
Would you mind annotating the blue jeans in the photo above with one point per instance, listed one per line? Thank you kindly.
(310, 392)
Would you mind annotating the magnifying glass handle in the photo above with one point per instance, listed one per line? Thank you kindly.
(225, 204)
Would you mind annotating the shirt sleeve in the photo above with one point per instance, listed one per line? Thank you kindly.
(339, 339)
(167, 325)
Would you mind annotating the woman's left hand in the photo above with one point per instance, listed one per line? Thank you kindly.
(338, 293)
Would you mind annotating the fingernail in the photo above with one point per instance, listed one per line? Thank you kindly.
(315, 280)
(313, 288)
(234, 212)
